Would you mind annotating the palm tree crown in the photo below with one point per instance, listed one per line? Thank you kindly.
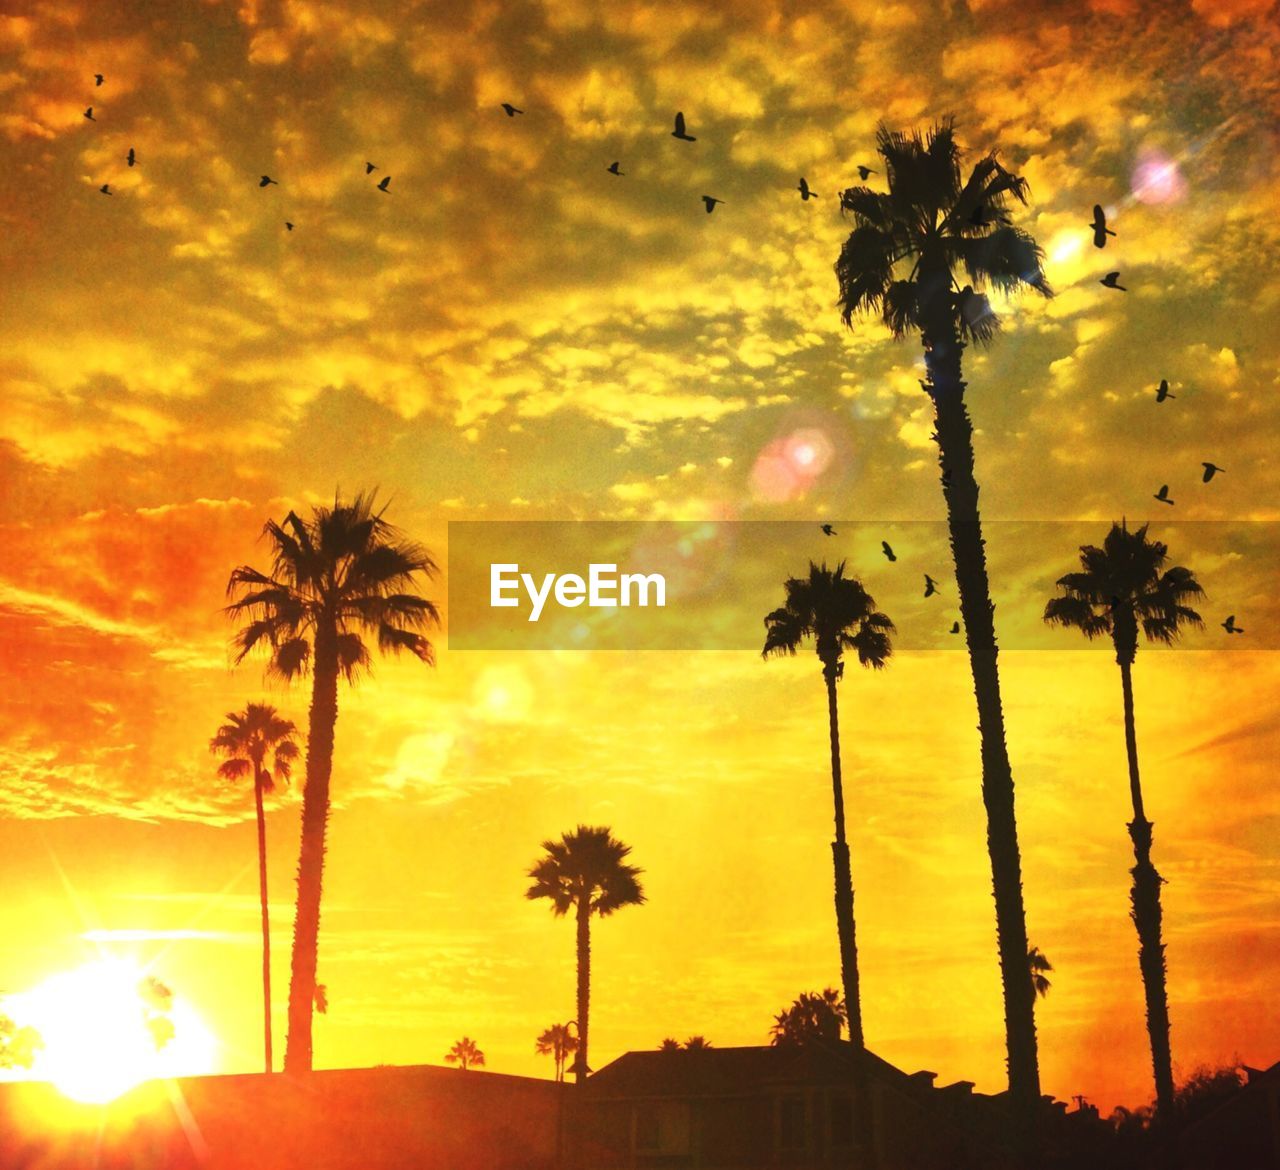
(586, 867)
(1122, 586)
(248, 737)
(465, 1054)
(1039, 968)
(834, 610)
(813, 1016)
(344, 572)
(557, 1042)
(898, 261)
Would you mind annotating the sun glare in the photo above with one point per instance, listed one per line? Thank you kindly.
(105, 1029)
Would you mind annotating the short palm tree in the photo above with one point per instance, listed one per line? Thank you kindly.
(839, 615)
(585, 871)
(465, 1054)
(557, 1042)
(1122, 587)
(899, 265)
(247, 739)
(671, 1044)
(697, 1044)
(1039, 968)
(813, 1016)
(340, 576)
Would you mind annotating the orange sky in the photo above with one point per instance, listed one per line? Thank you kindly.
(513, 333)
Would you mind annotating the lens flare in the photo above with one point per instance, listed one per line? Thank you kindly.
(790, 465)
(1157, 178)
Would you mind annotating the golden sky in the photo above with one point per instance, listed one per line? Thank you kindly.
(510, 332)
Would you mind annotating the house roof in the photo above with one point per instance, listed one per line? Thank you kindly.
(735, 1072)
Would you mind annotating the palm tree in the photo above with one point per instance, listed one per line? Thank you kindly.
(813, 1016)
(585, 871)
(670, 1044)
(1121, 586)
(557, 1041)
(898, 264)
(342, 574)
(839, 615)
(697, 1044)
(246, 740)
(1039, 967)
(465, 1054)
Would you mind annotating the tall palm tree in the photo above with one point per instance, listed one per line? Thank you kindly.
(839, 615)
(557, 1042)
(1039, 967)
(465, 1054)
(1122, 586)
(336, 577)
(899, 265)
(585, 871)
(246, 740)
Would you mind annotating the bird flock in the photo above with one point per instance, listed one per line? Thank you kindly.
(1098, 225)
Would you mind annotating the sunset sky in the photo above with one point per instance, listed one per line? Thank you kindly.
(510, 332)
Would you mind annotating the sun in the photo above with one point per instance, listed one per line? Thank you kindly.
(107, 1027)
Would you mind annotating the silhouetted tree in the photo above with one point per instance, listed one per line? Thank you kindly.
(585, 871)
(813, 1016)
(1039, 968)
(1122, 586)
(899, 265)
(839, 615)
(465, 1054)
(557, 1042)
(342, 574)
(246, 740)
(1204, 1090)
(670, 1045)
(697, 1044)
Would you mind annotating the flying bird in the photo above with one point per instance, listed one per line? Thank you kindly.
(930, 586)
(1162, 391)
(1111, 280)
(106, 189)
(511, 110)
(955, 627)
(829, 530)
(98, 79)
(384, 185)
(369, 168)
(89, 114)
(612, 168)
(866, 172)
(1163, 495)
(267, 180)
(805, 193)
(1099, 225)
(288, 225)
(1230, 625)
(711, 202)
(131, 158)
(679, 131)
(1210, 470)
(888, 552)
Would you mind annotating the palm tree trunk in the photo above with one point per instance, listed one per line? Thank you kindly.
(580, 1065)
(258, 781)
(322, 719)
(843, 877)
(1147, 916)
(960, 489)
